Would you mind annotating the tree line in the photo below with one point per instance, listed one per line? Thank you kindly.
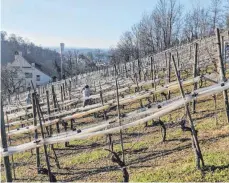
(167, 25)
(74, 62)
(12, 43)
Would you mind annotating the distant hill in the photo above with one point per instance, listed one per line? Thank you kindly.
(95, 52)
(47, 57)
(43, 55)
(12, 43)
(81, 50)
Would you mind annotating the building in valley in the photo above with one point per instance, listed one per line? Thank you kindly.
(27, 70)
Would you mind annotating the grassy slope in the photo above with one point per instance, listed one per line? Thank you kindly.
(148, 159)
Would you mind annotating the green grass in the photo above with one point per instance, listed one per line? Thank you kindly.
(185, 170)
(22, 156)
(148, 159)
(85, 157)
(136, 145)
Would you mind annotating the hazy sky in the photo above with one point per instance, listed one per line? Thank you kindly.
(77, 23)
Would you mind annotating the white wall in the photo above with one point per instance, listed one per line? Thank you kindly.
(43, 77)
(21, 62)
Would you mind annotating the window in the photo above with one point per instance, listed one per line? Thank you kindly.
(28, 75)
(26, 67)
(38, 77)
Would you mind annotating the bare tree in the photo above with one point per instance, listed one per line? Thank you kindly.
(216, 14)
(125, 46)
(136, 41)
(204, 23)
(69, 65)
(114, 55)
(146, 35)
(57, 67)
(12, 80)
(196, 23)
(76, 56)
(157, 31)
(98, 56)
(165, 27)
(227, 13)
(168, 14)
(3, 35)
(89, 64)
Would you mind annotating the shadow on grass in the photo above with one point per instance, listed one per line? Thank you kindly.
(212, 168)
(179, 140)
(134, 134)
(80, 147)
(158, 154)
(79, 175)
(209, 115)
(204, 100)
(213, 139)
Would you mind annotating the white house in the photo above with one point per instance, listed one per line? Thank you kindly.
(29, 71)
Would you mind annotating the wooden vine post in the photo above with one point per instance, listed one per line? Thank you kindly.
(50, 130)
(153, 75)
(130, 68)
(61, 96)
(49, 112)
(194, 75)
(102, 101)
(152, 70)
(178, 62)
(42, 136)
(55, 106)
(53, 98)
(166, 63)
(63, 85)
(69, 89)
(166, 60)
(222, 73)
(119, 114)
(195, 142)
(223, 52)
(169, 74)
(94, 86)
(126, 69)
(215, 107)
(6, 160)
(139, 70)
(133, 67)
(35, 131)
(9, 139)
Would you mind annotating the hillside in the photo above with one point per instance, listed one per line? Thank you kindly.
(154, 107)
(135, 113)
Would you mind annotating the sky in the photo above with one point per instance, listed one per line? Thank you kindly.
(77, 23)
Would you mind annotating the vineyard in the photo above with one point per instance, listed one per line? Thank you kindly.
(160, 118)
